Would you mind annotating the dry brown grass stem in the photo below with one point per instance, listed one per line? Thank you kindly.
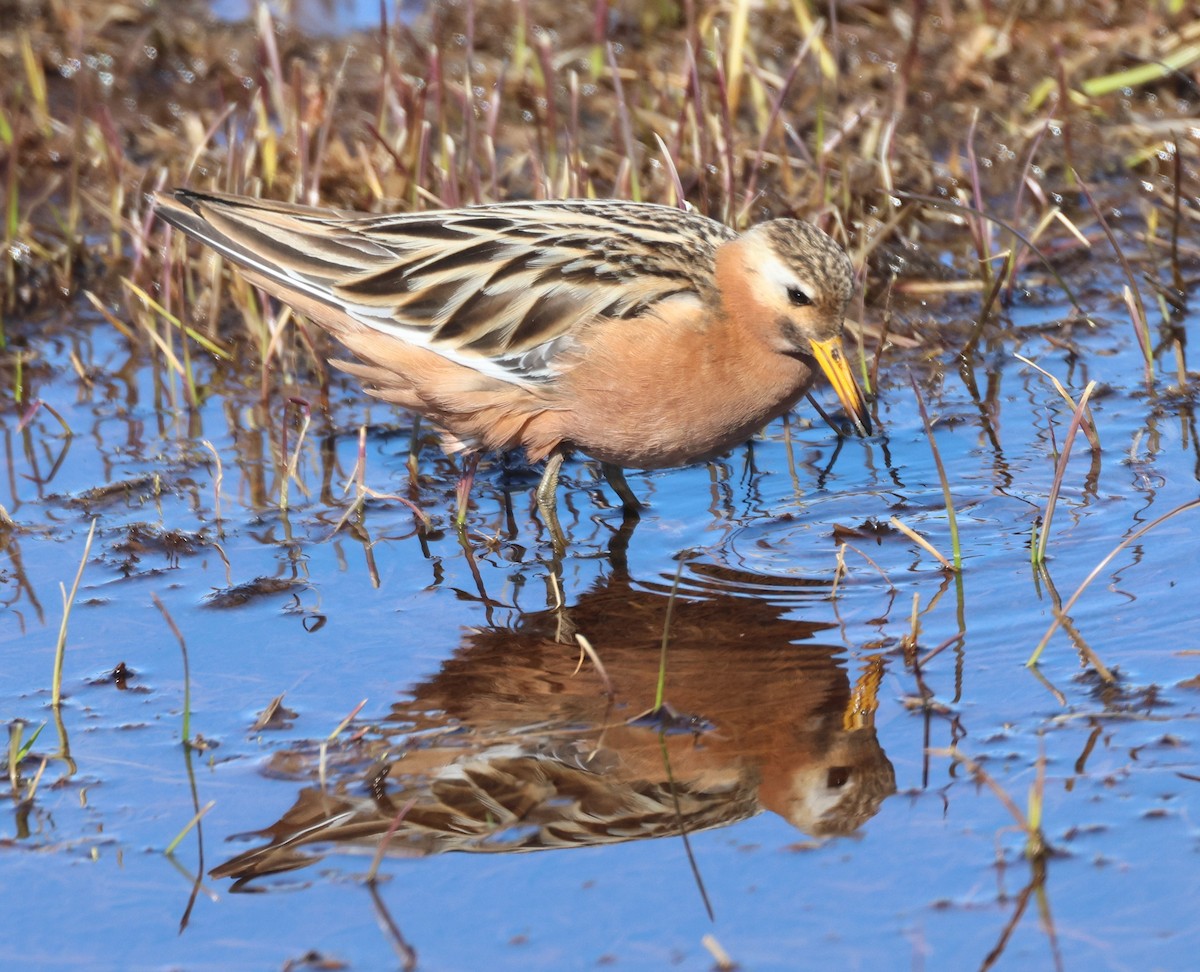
(586, 649)
(921, 542)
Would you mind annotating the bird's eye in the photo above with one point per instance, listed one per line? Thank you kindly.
(798, 297)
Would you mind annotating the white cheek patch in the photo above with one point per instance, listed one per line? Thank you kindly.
(781, 276)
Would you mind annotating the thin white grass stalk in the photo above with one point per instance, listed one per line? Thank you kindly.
(885, 152)
(1138, 315)
(203, 145)
(838, 571)
(882, 573)
(720, 956)
(357, 474)
(170, 848)
(678, 198)
(955, 548)
(735, 54)
(914, 630)
(294, 461)
(108, 316)
(276, 328)
(1081, 645)
(338, 729)
(1018, 249)
(68, 600)
(31, 792)
(172, 362)
(1060, 470)
(1089, 428)
(207, 343)
(585, 648)
(1066, 608)
(225, 560)
(1133, 296)
(1074, 230)
(216, 482)
(921, 542)
(15, 752)
(187, 672)
(323, 749)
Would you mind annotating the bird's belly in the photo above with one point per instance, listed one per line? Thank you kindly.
(670, 393)
(647, 432)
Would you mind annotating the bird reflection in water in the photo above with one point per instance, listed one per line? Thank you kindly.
(512, 746)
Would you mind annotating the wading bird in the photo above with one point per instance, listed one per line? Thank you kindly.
(641, 335)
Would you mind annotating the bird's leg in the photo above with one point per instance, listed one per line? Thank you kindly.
(565, 627)
(463, 489)
(616, 479)
(547, 499)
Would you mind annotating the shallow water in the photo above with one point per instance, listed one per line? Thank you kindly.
(825, 831)
(323, 17)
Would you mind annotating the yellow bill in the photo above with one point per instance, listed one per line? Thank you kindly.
(832, 359)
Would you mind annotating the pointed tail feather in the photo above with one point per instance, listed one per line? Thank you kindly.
(277, 242)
